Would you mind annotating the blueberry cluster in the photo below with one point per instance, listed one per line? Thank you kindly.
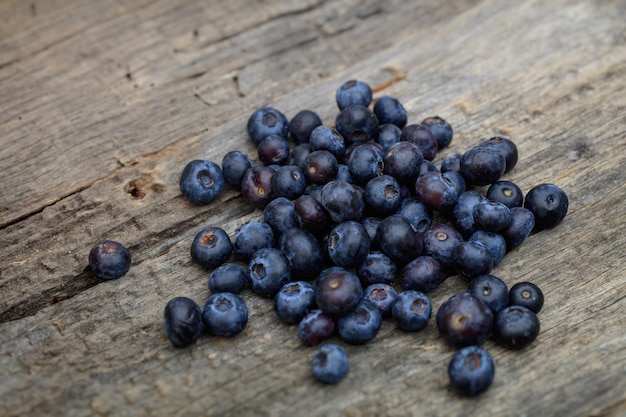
(354, 209)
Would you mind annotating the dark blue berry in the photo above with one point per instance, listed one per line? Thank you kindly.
(436, 192)
(472, 259)
(256, 185)
(389, 110)
(320, 167)
(315, 327)
(457, 181)
(412, 310)
(227, 277)
(281, 215)
(452, 163)
(516, 327)
(463, 212)
(423, 138)
(416, 213)
(268, 271)
(464, 320)
(109, 259)
(353, 92)
(183, 321)
(398, 239)
(482, 166)
(328, 139)
(365, 161)
(382, 195)
(376, 268)
(298, 154)
(294, 301)
(505, 147)
(383, 296)
(250, 237)
(439, 241)
(371, 226)
(491, 290)
(471, 371)
(273, 149)
(234, 165)
(357, 124)
(343, 201)
(388, 134)
(265, 122)
(423, 273)
(494, 242)
(491, 216)
(403, 161)
(303, 252)
(288, 182)
(441, 130)
(526, 294)
(225, 314)
(505, 192)
(211, 247)
(548, 203)
(330, 364)
(522, 223)
(312, 213)
(348, 244)
(337, 291)
(361, 325)
(302, 124)
(201, 182)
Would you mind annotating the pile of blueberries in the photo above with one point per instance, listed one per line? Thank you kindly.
(352, 213)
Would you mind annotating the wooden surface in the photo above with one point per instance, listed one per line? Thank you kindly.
(102, 103)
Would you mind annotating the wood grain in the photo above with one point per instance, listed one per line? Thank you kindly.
(104, 102)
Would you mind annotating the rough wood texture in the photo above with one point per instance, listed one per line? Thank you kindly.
(104, 102)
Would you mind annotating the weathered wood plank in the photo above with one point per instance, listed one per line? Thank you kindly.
(551, 76)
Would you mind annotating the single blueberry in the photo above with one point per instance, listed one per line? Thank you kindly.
(403, 161)
(491, 290)
(330, 364)
(328, 139)
(227, 277)
(398, 239)
(522, 223)
(281, 215)
(516, 327)
(526, 294)
(548, 203)
(268, 271)
(452, 163)
(320, 167)
(109, 259)
(439, 242)
(423, 138)
(436, 192)
(225, 314)
(273, 149)
(183, 321)
(250, 237)
(315, 327)
(211, 247)
(388, 134)
(389, 110)
(337, 291)
(289, 182)
(365, 161)
(505, 147)
(353, 92)
(383, 296)
(494, 242)
(416, 213)
(201, 181)
(267, 121)
(302, 124)
(348, 244)
(471, 371)
(491, 216)
(411, 310)
(303, 252)
(441, 130)
(294, 301)
(463, 212)
(357, 124)
(382, 195)
(376, 268)
(256, 185)
(464, 320)
(423, 273)
(361, 325)
(471, 259)
(505, 192)
(312, 214)
(482, 166)
(234, 165)
(343, 201)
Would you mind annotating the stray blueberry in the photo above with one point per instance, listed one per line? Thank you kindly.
(526, 294)
(482, 166)
(330, 364)
(225, 314)
(471, 371)
(183, 321)
(211, 247)
(516, 327)
(227, 277)
(234, 165)
(411, 310)
(109, 259)
(548, 203)
(353, 92)
(201, 181)
(505, 192)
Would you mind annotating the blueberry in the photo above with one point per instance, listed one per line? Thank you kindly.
(273, 149)
(439, 241)
(298, 154)
(428, 166)
(342, 201)
(526, 294)
(516, 327)
(471, 371)
(348, 244)
(256, 185)
(109, 259)
(281, 215)
(328, 139)
(423, 273)
(357, 124)
(337, 291)
(361, 325)
(268, 271)
(494, 242)
(436, 192)
(457, 181)
(463, 212)
(234, 165)
(267, 121)
(353, 92)
(548, 203)
(491, 290)
(294, 301)
(491, 216)
(451, 162)
(330, 364)
(382, 195)
(289, 182)
(389, 110)
(312, 213)
(316, 327)
(388, 134)
(464, 320)
(403, 161)
(505, 192)
(412, 310)
(376, 268)
(227, 277)
(211, 247)
(416, 213)
(441, 130)
(250, 237)
(399, 240)
(303, 252)
(522, 223)
(320, 167)
(423, 138)
(201, 182)
(225, 314)
(383, 296)
(365, 161)
(302, 124)
(183, 321)
(471, 259)
(505, 147)
(482, 166)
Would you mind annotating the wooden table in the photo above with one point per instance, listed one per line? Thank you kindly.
(102, 103)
